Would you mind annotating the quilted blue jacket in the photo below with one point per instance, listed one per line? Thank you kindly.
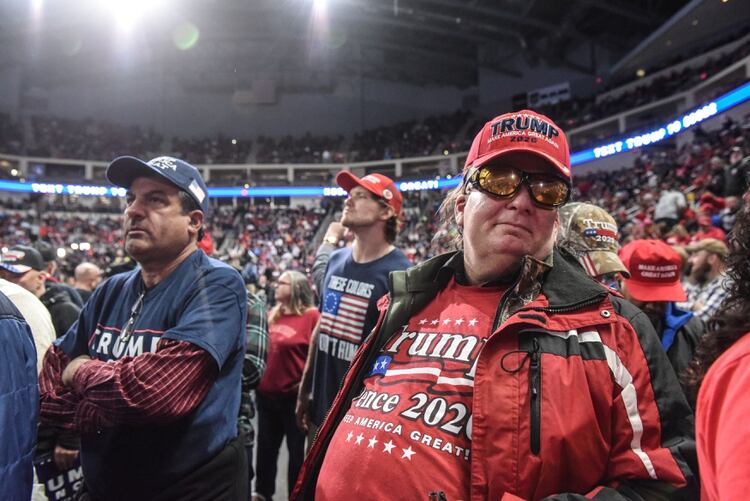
(19, 403)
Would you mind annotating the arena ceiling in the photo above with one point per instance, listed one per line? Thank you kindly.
(308, 44)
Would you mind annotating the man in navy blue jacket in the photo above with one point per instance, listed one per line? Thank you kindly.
(19, 398)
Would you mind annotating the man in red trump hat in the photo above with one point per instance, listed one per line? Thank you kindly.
(352, 280)
(502, 370)
(654, 286)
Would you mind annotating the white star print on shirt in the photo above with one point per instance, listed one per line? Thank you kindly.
(388, 446)
(408, 453)
(459, 321)
(372, 441)
(349, 436)
(359, 438)
(446, 321)
(473, 322)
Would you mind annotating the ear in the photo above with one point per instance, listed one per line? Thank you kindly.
(196, 221)
(459, 208)
(387, 212)
(556, 227)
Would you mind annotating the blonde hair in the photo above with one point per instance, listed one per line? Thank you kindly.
(301, 297)
(447, 218)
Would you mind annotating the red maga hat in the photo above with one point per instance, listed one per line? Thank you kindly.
(377, 184)
(654, 271)
(522, 132)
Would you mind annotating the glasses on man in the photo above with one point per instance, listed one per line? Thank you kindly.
(546, 190)
(135, 312)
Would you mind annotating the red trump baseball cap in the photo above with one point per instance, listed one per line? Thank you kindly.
(521, 133)
(654, 271)
(377, 184)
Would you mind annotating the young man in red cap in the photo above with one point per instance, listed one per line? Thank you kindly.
(355, 278)
(503, 371)
(654, 286)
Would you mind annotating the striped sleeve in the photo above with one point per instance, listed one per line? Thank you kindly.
(57, 402)
(652, 447)
(654, 423)
(152, 388)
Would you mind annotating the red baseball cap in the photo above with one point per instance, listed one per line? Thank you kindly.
(525, 132)
(377, 184)
(654, 271)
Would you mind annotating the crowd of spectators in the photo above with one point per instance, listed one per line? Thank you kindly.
(307, 149)
(263, 241)
(576, 112)
(216, 150)
(87, 139)
(260, 241)
(53, 137)
(431, 136)
(710, 170)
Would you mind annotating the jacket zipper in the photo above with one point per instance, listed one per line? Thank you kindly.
(501, 307)
(569, 308)
(535, 374)
(535, 397)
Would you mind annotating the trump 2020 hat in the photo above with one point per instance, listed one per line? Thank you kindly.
(521, 133)
(21, 258)
(592, 235)
(123, 171)
(377, 184)
(654, 271)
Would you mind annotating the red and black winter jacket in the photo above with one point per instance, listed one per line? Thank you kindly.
(574, 397)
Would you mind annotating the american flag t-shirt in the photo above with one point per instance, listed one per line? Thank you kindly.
(343, 315)
(348, 312)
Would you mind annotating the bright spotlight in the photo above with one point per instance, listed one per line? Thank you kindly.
(319, 28)
(128, 12)
(61, 252)
(14, 172)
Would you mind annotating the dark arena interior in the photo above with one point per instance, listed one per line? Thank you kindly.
(352, 249)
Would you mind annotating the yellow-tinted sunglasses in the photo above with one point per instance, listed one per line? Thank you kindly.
(546, 190)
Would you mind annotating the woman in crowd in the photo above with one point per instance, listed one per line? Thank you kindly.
(721, 373)
(290, 325)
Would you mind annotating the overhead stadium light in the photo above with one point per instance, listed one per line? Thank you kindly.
(128, 12)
